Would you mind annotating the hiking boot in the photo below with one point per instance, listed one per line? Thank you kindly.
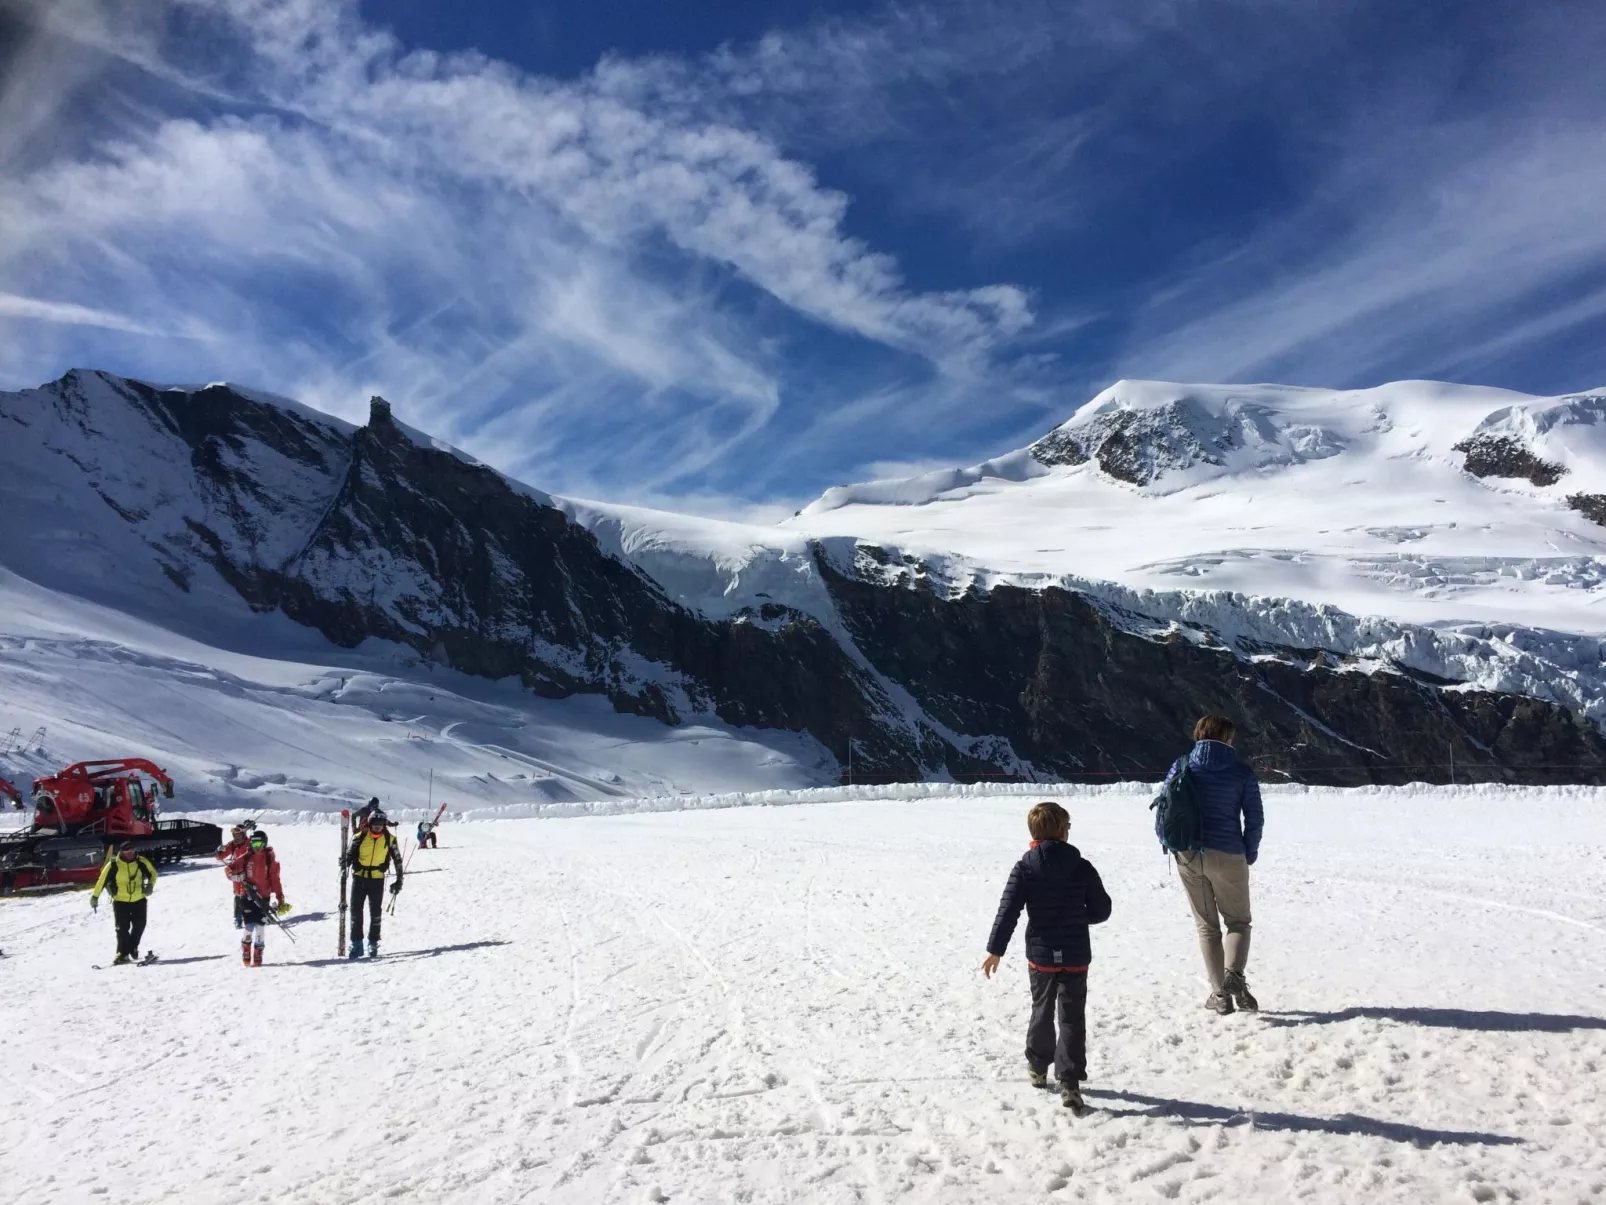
(1039, 1079)
(1219, 1002)
(1071, 1097)
(1238, 991)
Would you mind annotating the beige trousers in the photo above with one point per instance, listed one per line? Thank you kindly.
(1217, 886)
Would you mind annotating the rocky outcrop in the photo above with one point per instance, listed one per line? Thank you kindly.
(1503, 456)
(1591, 506)
(1078, 695)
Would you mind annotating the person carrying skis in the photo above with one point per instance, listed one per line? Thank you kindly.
(236, 846)
(1216, 877)
(131, 878)
(371, 852)
(426, 835)
(1062, 895)
(255, 871)
(360, 820)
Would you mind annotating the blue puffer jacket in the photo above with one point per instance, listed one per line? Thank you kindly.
(1229, 797)
(1062, 895)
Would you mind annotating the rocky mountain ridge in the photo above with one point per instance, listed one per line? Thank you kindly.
(200, 499)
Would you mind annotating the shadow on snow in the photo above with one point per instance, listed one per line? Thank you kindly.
(1344, 1124)
(404, 955)
(1446, 1018)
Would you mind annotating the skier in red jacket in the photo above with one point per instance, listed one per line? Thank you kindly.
(238, 845)
(256, 871)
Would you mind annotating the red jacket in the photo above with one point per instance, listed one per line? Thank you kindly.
(258, 868)
(227, 855)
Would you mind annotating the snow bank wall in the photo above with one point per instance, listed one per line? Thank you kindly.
(1496, 793)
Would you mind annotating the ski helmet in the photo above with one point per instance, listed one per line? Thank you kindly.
(259, 839)
(377, 817)
(126, 849)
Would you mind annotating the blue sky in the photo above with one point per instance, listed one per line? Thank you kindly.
(719, 256)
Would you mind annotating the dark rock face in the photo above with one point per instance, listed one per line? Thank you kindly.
(1080, 698)
(1591, 506)
(1502, 456)
(372, 533)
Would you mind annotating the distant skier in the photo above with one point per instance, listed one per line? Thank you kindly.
(371, 852)
(131, 878)
(359, 820)
(426, 835)
(238, 844)
(1062, 894)
(1216, 878)
(255, 871)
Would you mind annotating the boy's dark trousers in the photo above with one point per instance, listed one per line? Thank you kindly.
(373, 891)
(1062, 996)
(130, 919)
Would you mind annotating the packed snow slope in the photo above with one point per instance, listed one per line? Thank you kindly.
(248, 524)
(785, 1004)
(301, 727)
(1417, 501)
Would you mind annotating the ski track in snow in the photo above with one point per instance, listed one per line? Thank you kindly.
(784, 1004)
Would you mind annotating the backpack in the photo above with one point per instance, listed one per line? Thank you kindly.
(1178, 820)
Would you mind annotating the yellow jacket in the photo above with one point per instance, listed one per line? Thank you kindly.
(369, 854)
(130, 881)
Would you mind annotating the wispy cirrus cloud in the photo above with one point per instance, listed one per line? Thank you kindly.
(526, 262)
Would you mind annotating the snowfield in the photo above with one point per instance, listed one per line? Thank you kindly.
(784, 1004)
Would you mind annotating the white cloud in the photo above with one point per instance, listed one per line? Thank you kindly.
(516, 259)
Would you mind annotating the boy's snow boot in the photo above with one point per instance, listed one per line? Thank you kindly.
(1071, 1097)
(1219, 1002)
(373, 949)
(1238, 991)
(256, 956)
(245, 952)
(1039, 1078)
(356, 951)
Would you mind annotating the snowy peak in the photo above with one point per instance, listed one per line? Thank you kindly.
(1143, 432)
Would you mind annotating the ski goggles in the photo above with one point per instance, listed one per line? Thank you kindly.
(258, 841)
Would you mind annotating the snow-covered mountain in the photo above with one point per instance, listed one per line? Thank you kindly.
(1058, 611)
(1415, 501)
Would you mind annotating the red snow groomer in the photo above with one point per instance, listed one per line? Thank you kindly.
(9, 792)
(85, 809)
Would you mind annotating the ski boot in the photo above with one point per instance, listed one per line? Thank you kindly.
(1237, 991)
(1219, 1002)
(245, 952)
(356, 951)
(121, 960)
(1071, 1097)
(373, 949)
(1039, 1079)
(256, 956)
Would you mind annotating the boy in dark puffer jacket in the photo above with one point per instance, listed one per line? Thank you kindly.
(1062, 895)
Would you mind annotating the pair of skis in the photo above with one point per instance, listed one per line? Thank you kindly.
(345, 843)
(150, 957)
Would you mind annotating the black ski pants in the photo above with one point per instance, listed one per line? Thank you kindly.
(130, 925)
(1058, 996)
(372, 890)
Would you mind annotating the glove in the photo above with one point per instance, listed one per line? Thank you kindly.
(1250, 858)
(94, 903)
(282, 908)
(395, 887)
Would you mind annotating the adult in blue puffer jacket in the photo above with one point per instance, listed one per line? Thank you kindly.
(1216, 878)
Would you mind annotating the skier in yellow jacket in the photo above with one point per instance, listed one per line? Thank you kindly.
(131, 879)
(372, 851)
